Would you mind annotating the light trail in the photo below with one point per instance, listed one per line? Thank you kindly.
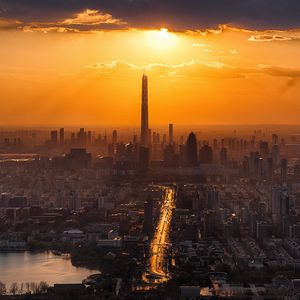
(157, 271)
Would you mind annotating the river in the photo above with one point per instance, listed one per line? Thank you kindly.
(35, 267)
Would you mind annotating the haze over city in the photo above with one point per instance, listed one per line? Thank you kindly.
(209, 62)
(149, 149)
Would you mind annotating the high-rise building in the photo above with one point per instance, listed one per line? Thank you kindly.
(61, 136)
(54, 137)
(144, 115)
(114, 137)
(144, 158)
(223, 156)
(191, 150)
(279, 203)
(206, 155)
(171, 137)
(212, 198)
(283, 170)
(275, 139)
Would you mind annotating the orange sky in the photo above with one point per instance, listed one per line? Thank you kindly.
(228, 76)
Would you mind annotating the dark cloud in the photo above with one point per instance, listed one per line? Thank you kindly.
(174, 14)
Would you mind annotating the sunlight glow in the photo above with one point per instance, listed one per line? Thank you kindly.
(161, 39)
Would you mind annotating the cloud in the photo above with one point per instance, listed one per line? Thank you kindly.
(48, 29)
(271, 38)
(192, 68)
(198, 69)
(85, 21)
(233, 51)
(179, 15)
(92, 17)
(6, 24)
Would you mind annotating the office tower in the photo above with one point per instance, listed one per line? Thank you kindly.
(206, 155)
(114, 137)
(158, 138)
(144, 157)
(276, 154)
(61, 136)
(78, 158)
(283, 168)
(212, 198)
(89, 138)
(60, 191)
(279, 203)
(275, 139)
(171, 137)
(246, 166)
(54, 138)
(263, 230)
(264, 149)
(149, 136)
(75, 202)
(154, 138)
(270, 168)
(144, 115)
(191, 150)
(82, 137)
(72, 138)
(164, 140)
(223, 156)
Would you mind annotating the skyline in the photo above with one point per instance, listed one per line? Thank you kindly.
(62, 65)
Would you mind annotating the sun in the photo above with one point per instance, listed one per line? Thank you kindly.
(161, 39)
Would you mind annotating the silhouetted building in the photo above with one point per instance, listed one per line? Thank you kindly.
(114, 137)
(191, 150)
(144, 158)
(279, 203)
(223, 156)
(171, 134)
(62, 136)
(206, 155)
(283, 169)
(78, 158)
(54, 138)
(144, 114)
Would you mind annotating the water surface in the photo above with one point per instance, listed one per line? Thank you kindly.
(35, 267)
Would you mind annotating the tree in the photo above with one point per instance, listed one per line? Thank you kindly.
(33, 287)
(21, 289)
(2, 288)
(27, 285)
(13, 288)
(43, 287)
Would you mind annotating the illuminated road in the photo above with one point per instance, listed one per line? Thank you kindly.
(157, 271)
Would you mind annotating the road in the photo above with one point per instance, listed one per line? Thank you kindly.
(157, 271)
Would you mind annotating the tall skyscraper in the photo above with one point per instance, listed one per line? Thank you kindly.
(283, 167)
(144, 116)
(191, 150)
(53, 138)
(114, 137)
(61, 136)
(280, 205)
(171, 138)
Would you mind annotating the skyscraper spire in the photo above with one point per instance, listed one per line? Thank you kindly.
(144, 114)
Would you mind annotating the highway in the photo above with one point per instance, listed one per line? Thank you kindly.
(157, 271)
